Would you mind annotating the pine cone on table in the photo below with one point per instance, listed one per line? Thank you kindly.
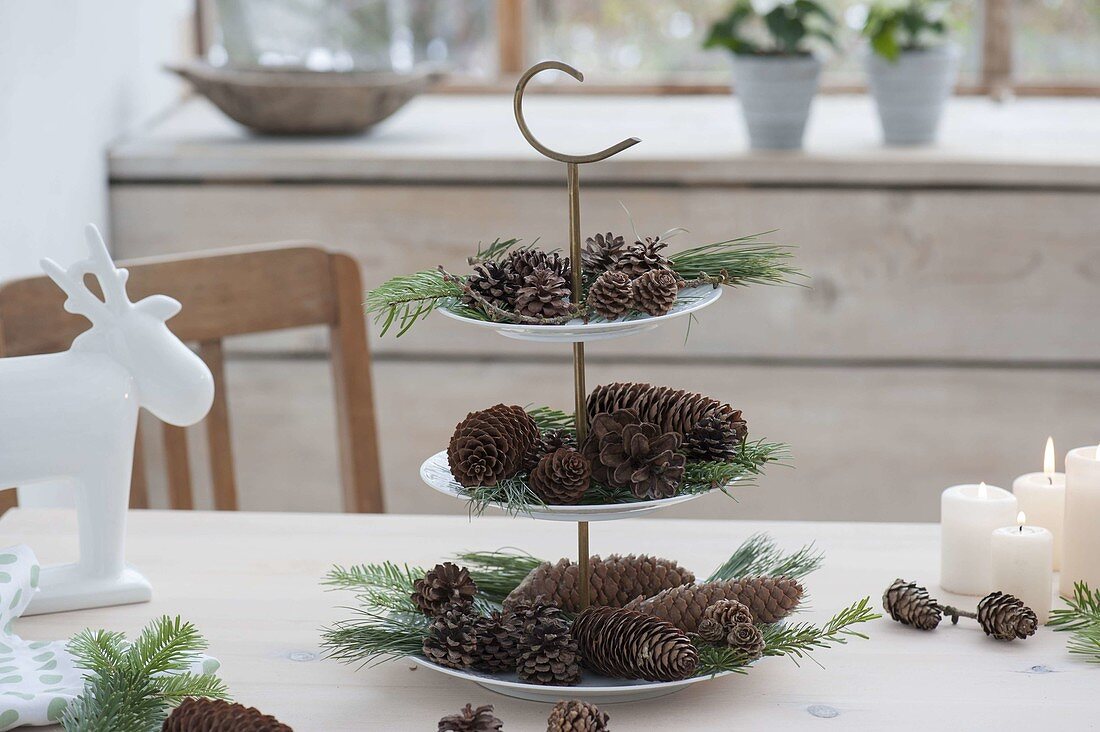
(601, 252)
(576, 716)
(543, 294)
(561, 478)
(1006, 617)
(548, 655)
(909, 604)
(769, 600)
(625, 644)
(443, 584)
(522, 263)
(497, 644)
(747, 639)
(611, 295)
(636, 456)
(654, 293)
(452, 637)
(215, 715)
(491, 445)
(493, 283)
(642, 256)
(469, 719)
(614, 581)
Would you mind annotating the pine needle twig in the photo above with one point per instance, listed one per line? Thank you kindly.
(406, 299)
(551, 419)
(1082, 619)
(759, 556)
(497, 573)
(741, 261)
(374, 636)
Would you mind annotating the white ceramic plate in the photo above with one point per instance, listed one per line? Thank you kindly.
(593, 688)
(689, 301)
(436, 472)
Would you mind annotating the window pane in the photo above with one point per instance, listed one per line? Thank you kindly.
(1057, 40)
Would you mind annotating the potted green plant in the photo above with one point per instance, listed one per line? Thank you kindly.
(911, 67)
(775, 69)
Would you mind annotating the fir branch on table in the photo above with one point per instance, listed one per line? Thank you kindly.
(1082, 619)
(759, 556)
(374, 636)
(130, 687)
(408, 298)
(497, 573)
(741, 261)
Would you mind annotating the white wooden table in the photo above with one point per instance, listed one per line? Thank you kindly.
(250, 582)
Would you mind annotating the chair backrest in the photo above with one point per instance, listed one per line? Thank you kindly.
(228, 293)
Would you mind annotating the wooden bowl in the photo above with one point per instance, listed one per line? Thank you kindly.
(304, 102)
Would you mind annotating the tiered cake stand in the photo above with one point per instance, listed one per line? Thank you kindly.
(436, 472)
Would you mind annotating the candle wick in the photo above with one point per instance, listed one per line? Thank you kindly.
(1021, 528)
(1050, 479)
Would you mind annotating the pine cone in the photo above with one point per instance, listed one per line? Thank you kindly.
(522, 616)
(550, 441)
(543, 294)
(497, 644)
(769, 599)
(548, 655)
(576, 716)
(611, 295)
(601, 252)
(641, 257)
(494, 283)
(445, 583)
(522, 263)
(654, 293)
(635, 456)
(614, 581)
(215, 715)
(605, 429)
(909, 604)
(471, 720)
(452, 637)
(625, 644)
(715, 439)
(1006, 617)
(747, 639)
(562, 477)
(491, 445)
(729, 613)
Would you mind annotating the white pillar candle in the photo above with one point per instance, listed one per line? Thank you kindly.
(968, 516)
(1042, 496)
(1081, 531)
(1021, 564)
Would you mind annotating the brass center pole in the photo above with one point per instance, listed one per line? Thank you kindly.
(579, 392)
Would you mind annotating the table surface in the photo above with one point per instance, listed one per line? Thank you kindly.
(685, 141)
(250, 583)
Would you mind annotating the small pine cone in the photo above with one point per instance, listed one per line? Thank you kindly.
(452, 637)
(712, 631)
(443, 584)
(214, 715)
(521, 616)
(543, 294)
(614, 581)
(491, 445)
(562, 477)
(548, 655)
(715, 439)
(522, 263)
(635, 456)
(576, 716)
(625, 644)
(497, 644)
(601, 252)
(469, 719)
(493, 283)
(654, 293)
(642, 256)
(1006, 617)
(729, 613)
(909, 604)
(769, 599)
(550, 441)
(611, 295)
(747, 639)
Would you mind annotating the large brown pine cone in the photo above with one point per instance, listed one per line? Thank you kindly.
(491, 445)
(521, 263)
(548, 655)
(494, 283)
(601, 252)
(769, 599)
(561, 478)
(909, 603)
(576, 716)
(443, 584)
(605, 429)
(497, 644)
(452, 637)
(1006, 617)
(747, 639)
(611, 295)
(543, 294)
(469, 719)
(215, 715)
(654, 293)
(635, 456)
(625, 644)
(642, 256)
(614, 581)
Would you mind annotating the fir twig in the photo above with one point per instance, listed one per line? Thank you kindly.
(511, 495)
(551, 419)
(408, 298)
(759, 556)
(373, 636)
(495, 251)
(497, 573)
(741, 261)
(1082, 619)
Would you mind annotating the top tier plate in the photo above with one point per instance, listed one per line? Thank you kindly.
(689, 300)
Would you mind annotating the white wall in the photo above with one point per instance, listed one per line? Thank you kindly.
(74, 75)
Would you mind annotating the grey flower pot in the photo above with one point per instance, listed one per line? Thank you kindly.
(910, 92)
(775, 94)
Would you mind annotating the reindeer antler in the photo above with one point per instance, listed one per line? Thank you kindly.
(112, 280)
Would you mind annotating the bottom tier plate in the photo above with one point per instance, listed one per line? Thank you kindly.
(593, 688)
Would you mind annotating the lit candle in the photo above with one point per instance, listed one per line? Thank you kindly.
(968, 516)
(1081, 530)
(1042, 497)
(1021, 564)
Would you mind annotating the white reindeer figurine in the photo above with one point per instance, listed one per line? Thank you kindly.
(72, 416)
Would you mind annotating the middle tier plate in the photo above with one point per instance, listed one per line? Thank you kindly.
(436, 472)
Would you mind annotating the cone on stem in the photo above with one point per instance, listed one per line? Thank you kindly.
(909, 604)
(1006, 617)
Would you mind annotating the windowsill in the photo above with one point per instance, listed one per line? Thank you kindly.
(1030, 143)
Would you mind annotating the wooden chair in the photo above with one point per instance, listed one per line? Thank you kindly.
(230, 293)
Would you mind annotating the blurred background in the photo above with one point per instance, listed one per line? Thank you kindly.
(949, 325)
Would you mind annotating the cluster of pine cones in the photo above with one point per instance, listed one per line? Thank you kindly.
(528, 282)
(1002, 616)
(635, 277)
(569, 715)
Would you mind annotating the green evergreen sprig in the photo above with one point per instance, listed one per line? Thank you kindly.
(130, 687)
(759, 556)
(406, 299)
(1082, 619)
(742, 261)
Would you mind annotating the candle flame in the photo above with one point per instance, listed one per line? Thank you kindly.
(1048, 458)
(1021, 519)
(983, 490)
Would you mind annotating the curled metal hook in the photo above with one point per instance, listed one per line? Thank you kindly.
(517, 104)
